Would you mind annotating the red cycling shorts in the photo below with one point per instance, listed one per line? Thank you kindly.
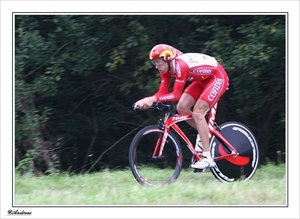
(211, 89)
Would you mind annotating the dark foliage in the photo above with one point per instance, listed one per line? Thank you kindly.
(77, 76)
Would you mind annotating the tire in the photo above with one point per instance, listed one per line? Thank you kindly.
(243, 140)
(154, 171)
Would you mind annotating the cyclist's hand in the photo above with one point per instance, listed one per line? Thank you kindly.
(135, 106)
(144, 103)
(140, 105)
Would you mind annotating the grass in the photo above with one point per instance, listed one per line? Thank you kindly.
(119, 188)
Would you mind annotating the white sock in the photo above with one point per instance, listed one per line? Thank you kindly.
(206, 154)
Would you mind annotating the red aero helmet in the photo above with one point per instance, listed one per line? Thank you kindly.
(167, 52)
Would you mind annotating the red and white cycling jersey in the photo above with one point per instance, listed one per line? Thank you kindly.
(209, 79)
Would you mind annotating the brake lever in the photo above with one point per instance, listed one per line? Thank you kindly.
(157, 105)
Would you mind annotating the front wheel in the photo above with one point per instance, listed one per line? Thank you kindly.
(153, 170)
(243, 166)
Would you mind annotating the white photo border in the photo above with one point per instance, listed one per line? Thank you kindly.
(155, 7)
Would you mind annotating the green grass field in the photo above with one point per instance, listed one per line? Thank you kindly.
(267, 187)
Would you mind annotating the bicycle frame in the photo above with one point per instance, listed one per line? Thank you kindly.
(171, 121)
(232, 145)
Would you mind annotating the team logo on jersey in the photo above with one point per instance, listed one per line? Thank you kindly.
(178, 70)
(169, 97)
(202, 71)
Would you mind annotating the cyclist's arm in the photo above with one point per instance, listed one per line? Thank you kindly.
(181, 75)
(164, 85)
(163, 89)
(172, 96)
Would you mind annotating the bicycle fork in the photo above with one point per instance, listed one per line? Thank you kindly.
(158, 148)
(160, 144)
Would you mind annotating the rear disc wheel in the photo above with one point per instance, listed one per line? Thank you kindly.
(243, 166)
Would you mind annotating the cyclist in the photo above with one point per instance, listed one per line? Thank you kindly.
(209, 81)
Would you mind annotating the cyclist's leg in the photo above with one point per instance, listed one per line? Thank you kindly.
(188, 100)
(200, 110)
(213, 88)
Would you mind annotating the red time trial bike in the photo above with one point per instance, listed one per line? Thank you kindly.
(155, 153)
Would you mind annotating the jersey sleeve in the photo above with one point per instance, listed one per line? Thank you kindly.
(181, 75)
(164, 86)
(172, 96)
